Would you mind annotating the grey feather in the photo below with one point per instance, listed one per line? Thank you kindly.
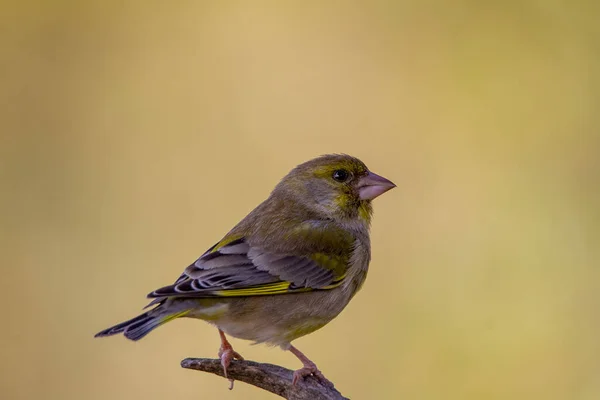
(240, 265)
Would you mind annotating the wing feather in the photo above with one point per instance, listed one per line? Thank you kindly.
(235, 268)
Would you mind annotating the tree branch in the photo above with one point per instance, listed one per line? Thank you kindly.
(269, 377)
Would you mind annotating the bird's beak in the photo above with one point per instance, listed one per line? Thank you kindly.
(373, 185)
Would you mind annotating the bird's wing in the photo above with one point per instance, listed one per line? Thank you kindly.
(235, 268)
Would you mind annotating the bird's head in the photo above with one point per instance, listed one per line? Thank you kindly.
(335, 186)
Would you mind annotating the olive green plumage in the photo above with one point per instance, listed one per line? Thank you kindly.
(287, 268)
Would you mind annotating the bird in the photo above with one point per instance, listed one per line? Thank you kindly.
(285, 270)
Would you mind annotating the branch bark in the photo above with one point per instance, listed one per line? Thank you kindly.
(272, 378)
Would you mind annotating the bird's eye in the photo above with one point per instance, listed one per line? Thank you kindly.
(340, 175)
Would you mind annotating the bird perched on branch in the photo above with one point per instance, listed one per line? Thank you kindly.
(287, 269)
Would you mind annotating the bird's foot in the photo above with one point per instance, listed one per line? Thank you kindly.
(311, 369)
(226, 354)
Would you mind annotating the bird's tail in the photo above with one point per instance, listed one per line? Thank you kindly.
(138, 327)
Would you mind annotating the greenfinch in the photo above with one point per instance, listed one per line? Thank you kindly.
(284, 271)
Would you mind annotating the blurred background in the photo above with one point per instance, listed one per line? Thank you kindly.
(135, 134)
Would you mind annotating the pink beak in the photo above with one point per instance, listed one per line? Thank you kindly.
(373, 185)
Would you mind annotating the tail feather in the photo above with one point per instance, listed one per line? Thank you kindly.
(141, 328)
(138, 327)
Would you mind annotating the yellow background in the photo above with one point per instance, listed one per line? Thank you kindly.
(133, 136)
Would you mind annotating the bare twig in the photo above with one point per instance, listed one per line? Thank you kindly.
(272, 378)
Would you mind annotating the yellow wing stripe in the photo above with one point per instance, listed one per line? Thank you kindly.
(225, 241)
(171, 317)
(273, 288)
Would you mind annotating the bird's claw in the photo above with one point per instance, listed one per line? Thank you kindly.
(226, 354)
(311, 369)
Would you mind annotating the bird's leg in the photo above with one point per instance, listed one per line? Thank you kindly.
(226, 354)
(309, 368)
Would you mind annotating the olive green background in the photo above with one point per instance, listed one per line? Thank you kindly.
(134, 135)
